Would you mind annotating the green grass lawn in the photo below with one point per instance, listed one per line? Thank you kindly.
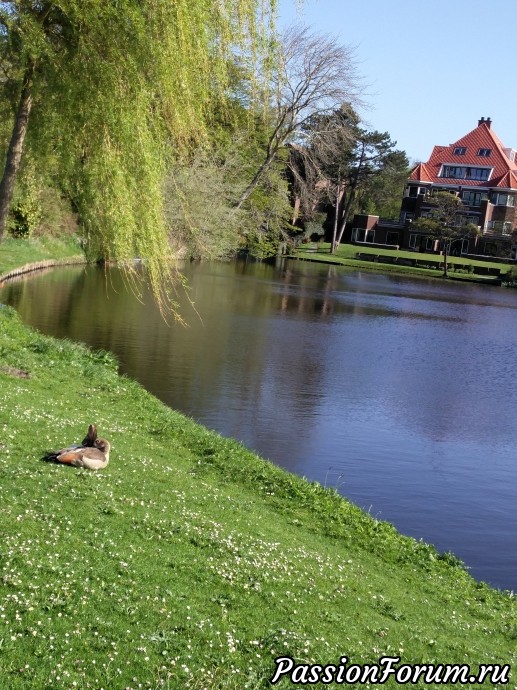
(346, 255)
(15, 253)
(189, 562)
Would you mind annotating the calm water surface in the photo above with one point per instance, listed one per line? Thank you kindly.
(397, 391)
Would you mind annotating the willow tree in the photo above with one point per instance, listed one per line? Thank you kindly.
(106, 91)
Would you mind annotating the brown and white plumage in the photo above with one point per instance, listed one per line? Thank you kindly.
(91, 436)
(91, 458)
(92, 454)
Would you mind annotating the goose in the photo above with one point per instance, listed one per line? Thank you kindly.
(94, 457)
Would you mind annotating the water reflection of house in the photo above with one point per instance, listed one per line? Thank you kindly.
(481, 171)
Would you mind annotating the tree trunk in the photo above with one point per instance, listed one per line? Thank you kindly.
(15, 150)
(254, 182)
(333, 245)
(344, 219)
(352, 193)
(445, 273)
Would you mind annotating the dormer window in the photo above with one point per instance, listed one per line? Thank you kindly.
(465, 173)
(454, 171)
(460, 150)
(484, 152)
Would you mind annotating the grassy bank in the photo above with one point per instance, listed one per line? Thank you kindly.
(15, 253)
(346, 255)
(190, 562)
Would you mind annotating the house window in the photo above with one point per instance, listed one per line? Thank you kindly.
(392, 238)
(478, 173)
(363, 235)
(454, 171)
(484, 152)
(503, 199)
(464, 249)
(415, 191)
(490, 249)
(458, 247)
(461, 173)
(466, 220)
(500, 226)
(470, 198)
(421, 242)
(460, 150)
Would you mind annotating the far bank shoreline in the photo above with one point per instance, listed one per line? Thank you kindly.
(41, 265)
(346, 257)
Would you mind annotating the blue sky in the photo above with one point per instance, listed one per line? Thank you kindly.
(432, 68)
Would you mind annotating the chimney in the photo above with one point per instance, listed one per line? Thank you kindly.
(487, 122)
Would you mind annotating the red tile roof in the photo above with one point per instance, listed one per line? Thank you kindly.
(504, 171)
(508, 181)
(421, 173)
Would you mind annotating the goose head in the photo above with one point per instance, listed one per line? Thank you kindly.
(102, 445)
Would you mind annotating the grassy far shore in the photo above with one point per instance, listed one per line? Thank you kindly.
(346, 255)
(192, 563)
(16, 253)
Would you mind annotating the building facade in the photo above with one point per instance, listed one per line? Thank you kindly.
(482, 172)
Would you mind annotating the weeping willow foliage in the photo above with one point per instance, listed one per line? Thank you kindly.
(120, 87)
(198, 199)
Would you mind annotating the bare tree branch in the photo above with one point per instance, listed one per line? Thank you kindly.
(317, 75)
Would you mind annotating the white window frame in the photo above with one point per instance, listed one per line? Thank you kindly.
(464, 246)
(474, 198)
(504, 227)
(504, 199)
(429, 241)
(464, 172)
(455, 172)
(482, 174)
(357, 233)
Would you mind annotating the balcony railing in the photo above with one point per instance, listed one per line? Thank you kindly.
(497, 232)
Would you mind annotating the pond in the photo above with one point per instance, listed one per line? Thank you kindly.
(397, 391)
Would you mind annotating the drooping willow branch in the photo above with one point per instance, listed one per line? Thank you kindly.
(120, 89)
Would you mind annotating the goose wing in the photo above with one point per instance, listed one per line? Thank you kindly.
(90, 458)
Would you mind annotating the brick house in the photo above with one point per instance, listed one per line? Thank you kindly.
(482, 172)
